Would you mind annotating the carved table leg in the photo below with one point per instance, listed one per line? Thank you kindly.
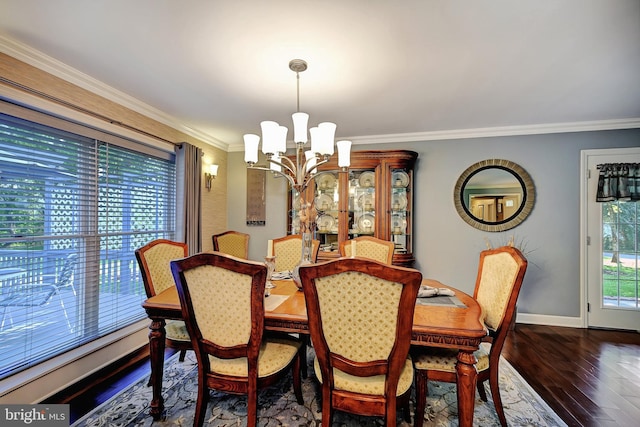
(157, 337)
(466, 387)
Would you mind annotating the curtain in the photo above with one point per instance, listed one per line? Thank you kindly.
(618, 181)
(189, 172)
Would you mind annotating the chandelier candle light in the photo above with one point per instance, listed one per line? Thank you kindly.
(300, 173)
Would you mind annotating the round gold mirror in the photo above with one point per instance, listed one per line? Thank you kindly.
(494, 195)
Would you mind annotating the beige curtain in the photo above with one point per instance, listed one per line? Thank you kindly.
(188, 181)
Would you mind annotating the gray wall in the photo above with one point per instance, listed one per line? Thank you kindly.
(446, 248)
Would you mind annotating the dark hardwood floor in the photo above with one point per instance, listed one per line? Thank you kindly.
(589, 377)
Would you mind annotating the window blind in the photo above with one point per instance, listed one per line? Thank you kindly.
(74, 205)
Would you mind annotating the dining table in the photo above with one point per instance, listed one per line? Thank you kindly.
(456, 324)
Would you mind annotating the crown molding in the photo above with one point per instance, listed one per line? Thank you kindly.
(39, 60)
(56, 68)
(592, 126)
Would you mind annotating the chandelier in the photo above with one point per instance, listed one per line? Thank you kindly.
(274, 144)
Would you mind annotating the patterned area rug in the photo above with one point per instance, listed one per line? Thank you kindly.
(277, 405)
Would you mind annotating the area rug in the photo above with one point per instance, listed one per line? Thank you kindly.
(277, 405)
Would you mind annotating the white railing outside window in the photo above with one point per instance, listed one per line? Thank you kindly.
(74, 205)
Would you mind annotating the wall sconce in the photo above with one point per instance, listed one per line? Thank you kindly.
(209, 176)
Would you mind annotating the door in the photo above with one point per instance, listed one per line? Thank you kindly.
(610, 248)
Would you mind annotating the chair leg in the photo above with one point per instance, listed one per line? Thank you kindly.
(421, 397)
(301, 358)
(306, 343)
(406, 408)
(252, 408)
(183, 353)
(495, 395)
(327, 410)
(481, 391)
(201, 404)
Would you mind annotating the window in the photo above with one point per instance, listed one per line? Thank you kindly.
(74, 205)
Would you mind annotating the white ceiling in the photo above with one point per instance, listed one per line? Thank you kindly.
(382, 70)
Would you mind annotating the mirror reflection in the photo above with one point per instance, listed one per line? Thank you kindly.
(494, 195)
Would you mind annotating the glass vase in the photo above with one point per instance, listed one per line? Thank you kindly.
(305, 259)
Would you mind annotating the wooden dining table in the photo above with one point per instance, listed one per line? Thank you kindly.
(457, 326)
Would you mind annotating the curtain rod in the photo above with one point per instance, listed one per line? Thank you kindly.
(81, 109)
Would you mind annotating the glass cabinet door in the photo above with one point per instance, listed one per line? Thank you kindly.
(326, 198)
(400, 204)
(362, 203)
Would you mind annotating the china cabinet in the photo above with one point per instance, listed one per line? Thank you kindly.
(373, 197)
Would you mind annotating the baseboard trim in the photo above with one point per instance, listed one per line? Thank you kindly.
(550, 320)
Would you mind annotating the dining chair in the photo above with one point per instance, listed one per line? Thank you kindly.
(288, 251)
(222, 301)
(154, 261)
(498, 283)
(41, 293)
(233, 243)
(368, 247)
(360, 317)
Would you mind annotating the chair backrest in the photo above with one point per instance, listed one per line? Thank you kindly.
(233, 243)
(360, 316)
(500, 275)
(65, 278)
(222, 300)
(369, 247)
(288, 251)
(153, 260)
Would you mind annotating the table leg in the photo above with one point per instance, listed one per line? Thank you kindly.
(467, 377)
(157, 335)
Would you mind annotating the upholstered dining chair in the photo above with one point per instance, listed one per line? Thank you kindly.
(498, 283)
(222, 300)
(233, 243)
(369, 247)
(360, 316)
(154, 261)
(288, 251)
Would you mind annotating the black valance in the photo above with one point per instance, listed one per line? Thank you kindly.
(618, 181)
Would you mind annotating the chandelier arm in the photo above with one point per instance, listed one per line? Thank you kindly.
(288, 167)
(286, 163)
(262, 168)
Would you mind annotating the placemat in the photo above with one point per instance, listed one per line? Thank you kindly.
(442, 300)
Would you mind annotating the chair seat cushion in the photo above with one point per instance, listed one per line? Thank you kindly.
(368, 385)
(444, 359)
(177, 330)
(275, 355)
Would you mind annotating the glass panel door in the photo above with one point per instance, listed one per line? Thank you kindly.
(400, 210)
(326, 200)
(362, 203)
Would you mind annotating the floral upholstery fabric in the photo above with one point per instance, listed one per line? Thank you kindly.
(445, 359)
(275, 355)
(368, 385)
(365, 328)
(221, 302)
(233, 244)
(177, 330)
(499, 273)
(158, 259)
(370, 250)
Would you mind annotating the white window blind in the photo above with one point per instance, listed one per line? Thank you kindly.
(74, 205)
